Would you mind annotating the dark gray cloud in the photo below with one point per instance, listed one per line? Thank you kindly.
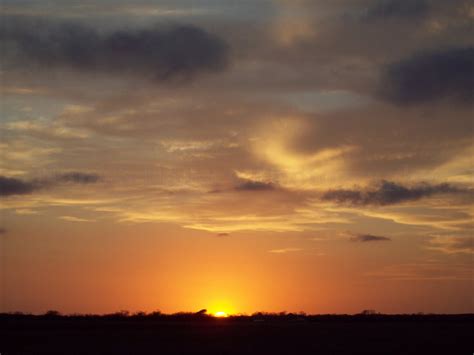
(430, 76)
(369, 238)
(156, 53)
(387, 193)
(12, 186)
(383, 9)
(249, 185)
(77, 177)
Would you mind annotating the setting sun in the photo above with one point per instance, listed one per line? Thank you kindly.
(221, 314)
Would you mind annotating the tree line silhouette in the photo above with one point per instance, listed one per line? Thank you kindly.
(203, 315)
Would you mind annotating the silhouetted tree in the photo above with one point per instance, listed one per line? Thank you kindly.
(52, 313)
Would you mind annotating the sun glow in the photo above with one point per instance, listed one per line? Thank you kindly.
(221, 314)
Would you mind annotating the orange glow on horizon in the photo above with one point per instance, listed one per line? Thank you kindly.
(221, 314)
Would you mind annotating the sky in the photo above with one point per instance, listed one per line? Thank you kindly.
(238, 156)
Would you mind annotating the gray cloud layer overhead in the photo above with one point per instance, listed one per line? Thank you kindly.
(296, 114)
(385, 9)
(156, 53)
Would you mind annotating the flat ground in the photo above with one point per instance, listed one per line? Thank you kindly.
(41, 335)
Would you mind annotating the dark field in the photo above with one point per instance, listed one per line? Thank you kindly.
(240, 335)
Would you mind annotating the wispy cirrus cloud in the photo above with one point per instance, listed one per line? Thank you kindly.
(452, 244)
(423, 270)
(75, 219)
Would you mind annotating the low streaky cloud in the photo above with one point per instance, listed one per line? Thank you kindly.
(369, 238)
(388, 193)
(250, 185)
(386, 9)
(453, 244)
(75, 219)
(156, 53)
(223, 234)
(13, 186)
(78, 177)
(284, 250)
(431, 76)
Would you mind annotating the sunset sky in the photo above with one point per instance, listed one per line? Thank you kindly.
(238, 156)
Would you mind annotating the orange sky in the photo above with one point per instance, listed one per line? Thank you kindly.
(267, 156)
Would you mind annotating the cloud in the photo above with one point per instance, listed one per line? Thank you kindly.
(3, 231)
(387, 193)
(75, 219)
(423, 270)
(452, 245)
(369, 238)
(223, 234)
(431, 76)
(384, 9)
(45, 129)
(155, 53)
(284, 250)
(250, 185)
(13, 186)
(77, 177)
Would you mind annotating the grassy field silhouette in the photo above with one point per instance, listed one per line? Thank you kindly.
(260, 333)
